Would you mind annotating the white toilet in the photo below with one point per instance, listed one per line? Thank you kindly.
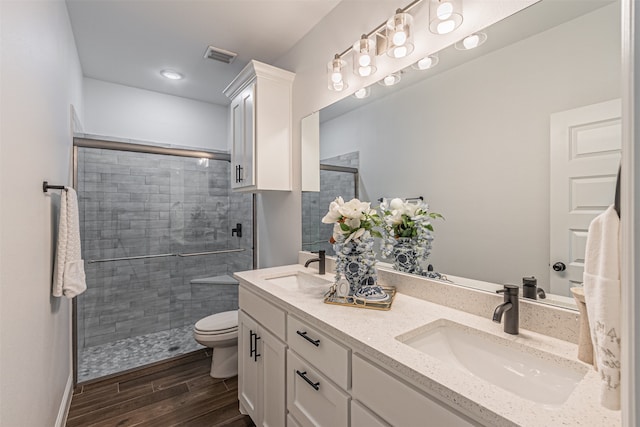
(220, 333)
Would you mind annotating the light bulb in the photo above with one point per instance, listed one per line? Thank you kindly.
(364, 71)
(364, 60)
(425, 63)
(362, 93)
(336, 77)
(389, 80)
(446, 26)
(444, 11)
(400, 52)
(471, 41)
(399, 38)
(338, 86)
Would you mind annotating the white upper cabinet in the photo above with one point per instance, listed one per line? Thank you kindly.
(260, 131)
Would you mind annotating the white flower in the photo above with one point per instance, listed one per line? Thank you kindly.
(356, 235)
(396, 204)
(354, 208)
(334, 211)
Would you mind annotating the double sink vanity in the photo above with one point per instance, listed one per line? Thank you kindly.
(436, 358)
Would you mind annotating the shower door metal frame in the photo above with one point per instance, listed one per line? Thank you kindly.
(86, 142)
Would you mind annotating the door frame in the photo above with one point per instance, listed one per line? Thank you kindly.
(629, 199)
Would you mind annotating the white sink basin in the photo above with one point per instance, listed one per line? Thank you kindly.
(529, 373)
(302, 282)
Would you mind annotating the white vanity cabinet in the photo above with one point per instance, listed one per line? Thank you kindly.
(261, 361)
(260, 128)
(295, 374)
(396, 402)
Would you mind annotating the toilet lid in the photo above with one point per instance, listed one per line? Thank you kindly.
(219, 322)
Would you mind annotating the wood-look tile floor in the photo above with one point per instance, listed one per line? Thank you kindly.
(178, 392)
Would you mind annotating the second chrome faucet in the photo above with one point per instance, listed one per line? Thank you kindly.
(510, 308)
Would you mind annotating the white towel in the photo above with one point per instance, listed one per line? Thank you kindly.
(68, 274)
(602, 296)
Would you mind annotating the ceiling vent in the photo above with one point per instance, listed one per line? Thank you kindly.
(221, 55)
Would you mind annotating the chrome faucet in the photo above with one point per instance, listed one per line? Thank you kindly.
(510, 308)
(320, 260)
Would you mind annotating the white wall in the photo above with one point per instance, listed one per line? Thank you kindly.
(280, 240)
(119, 111)
(40, 79)
(474, 141)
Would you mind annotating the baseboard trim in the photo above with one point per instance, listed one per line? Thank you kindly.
(63, 412)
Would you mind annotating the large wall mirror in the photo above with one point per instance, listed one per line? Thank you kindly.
(475, 137)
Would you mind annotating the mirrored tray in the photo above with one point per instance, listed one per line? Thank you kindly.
(331, 297)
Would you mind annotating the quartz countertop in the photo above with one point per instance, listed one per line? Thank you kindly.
(373, 333)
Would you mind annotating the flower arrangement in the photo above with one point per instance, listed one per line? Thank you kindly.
(353, 231)
(353, 220)
(407, 220)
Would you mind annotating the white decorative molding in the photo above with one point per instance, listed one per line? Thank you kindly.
(65, 404)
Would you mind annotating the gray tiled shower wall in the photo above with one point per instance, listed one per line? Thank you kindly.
(134, 204)
(316, 204)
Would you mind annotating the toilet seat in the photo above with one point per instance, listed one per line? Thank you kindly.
(218, 324)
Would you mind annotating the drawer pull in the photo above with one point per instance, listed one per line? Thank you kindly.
(312, 341)
(303, 375)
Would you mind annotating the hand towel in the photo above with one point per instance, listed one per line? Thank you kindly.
(602, 296)
(68, 275)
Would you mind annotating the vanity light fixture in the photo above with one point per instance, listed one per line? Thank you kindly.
(471, 42)
(444, 15)
(399, 35)
(395, 38)
(171, 75)
(426, 63)
(390, 80)
(335, 74)
(362, 93)
(364, 56)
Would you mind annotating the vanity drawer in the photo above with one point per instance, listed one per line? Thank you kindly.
(267, 314)
(291, 422)
(396, 402)
(362, 417)
(323, 352)
(311, 398)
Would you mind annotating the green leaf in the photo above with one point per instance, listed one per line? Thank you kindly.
(429, 227)
(375, 233)
(344, 227)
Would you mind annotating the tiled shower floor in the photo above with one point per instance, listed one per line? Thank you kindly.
(106, 359)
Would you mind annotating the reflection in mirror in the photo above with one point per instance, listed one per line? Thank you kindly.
(474, 140)
(310, 152)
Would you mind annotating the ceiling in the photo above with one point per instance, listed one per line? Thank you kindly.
(130, 41)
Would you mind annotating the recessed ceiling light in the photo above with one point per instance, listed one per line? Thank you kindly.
(171, 75)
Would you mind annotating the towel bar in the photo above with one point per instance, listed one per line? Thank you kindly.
(46, 187)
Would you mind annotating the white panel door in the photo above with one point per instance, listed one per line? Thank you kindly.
(585, 156)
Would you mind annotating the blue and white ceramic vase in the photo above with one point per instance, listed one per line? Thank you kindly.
(405, 256)
(356, 263)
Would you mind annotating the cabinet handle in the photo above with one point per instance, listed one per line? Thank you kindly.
(252, 348)
(237, 173)
(255, 347)
(303, 375)
(312, 341)
(240, 178)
